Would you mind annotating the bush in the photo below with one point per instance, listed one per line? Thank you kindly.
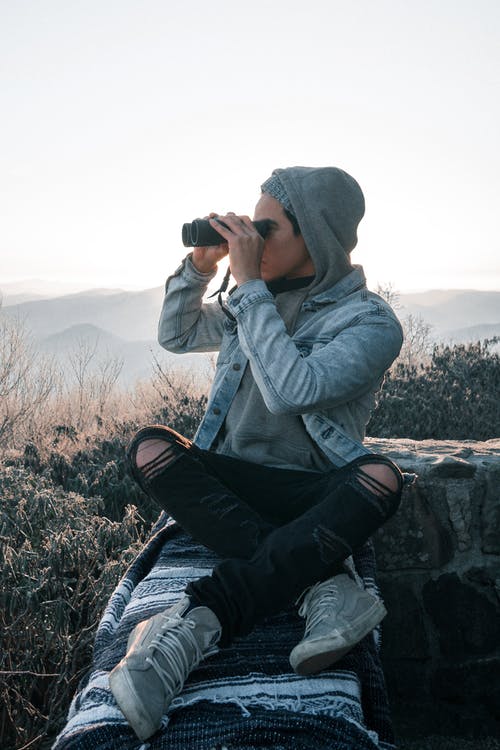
(27, 382)
(69, 529)
(454, 397)
(97, 466)
(99, 470)
(61, 559)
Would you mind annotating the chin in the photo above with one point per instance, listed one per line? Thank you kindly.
(268, 275)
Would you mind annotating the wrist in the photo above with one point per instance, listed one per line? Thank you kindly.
(201, 268)
(250, 275)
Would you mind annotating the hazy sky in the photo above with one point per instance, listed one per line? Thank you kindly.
(122, 120)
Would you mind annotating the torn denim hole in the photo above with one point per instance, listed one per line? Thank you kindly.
(374, 484)
(381, 497)
(157, 465)
(379, 503)
(332, 547)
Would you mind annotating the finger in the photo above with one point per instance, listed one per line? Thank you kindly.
(235, 223)
(224, 231)
(248, 223)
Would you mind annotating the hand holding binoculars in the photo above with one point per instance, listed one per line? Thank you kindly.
(200, 233)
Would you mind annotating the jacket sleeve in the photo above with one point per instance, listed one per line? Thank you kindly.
(340, 371)
(186, 323)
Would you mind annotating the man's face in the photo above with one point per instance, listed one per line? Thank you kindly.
(285, 254)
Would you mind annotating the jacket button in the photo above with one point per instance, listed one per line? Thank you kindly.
(236, 366)
(216, 410)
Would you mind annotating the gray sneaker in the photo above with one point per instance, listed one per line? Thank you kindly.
(339, 614)
(161, 653)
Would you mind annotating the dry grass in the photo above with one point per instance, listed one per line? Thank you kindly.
(68, 531)
(60, 561)
(69, 522)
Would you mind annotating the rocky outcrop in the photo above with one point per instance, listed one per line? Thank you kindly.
(439, 571)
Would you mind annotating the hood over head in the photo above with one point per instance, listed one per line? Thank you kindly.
(328, 205)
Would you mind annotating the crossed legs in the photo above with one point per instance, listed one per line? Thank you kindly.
(265, 566)
(266, 562)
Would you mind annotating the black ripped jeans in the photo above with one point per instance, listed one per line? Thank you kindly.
(278, 530)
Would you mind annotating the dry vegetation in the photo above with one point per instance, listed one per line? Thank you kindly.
(70, 523)
(72, 519)
(454, 395)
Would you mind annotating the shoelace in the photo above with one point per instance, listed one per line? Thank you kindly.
(315, 603)
(170, 646)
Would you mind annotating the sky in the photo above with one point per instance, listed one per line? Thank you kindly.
(121, 120)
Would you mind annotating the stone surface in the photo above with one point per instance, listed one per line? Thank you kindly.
(466, 620)
(418, 450)
(490, 513)
(452, 467)
(401, 641)
(482, 678)
(439, 573)
(458, 498)
(407, 679)
(414, 537)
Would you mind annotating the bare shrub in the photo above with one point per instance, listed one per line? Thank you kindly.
(417, 343)
(68, 530)
(27, 381)
(38, 403)
(90, 459)
(389, 293)
(171, 397)
(183, 402)
(61, 559)
(454, 397)
(94, 382)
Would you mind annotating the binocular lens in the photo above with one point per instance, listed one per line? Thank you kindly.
(200, 233)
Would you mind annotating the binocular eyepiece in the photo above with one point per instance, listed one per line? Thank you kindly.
(200, 233)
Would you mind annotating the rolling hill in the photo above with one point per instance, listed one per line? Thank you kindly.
(136, 358)
(123, 324)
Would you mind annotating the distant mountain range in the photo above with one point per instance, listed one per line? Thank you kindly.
(457, 315)
(122, 325)
(15, 292)
(132, 316)
(114, 324)
(136, 358)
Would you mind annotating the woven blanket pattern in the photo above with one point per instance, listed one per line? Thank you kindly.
(244, 697)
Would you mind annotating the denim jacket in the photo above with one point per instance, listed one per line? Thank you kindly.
(327, 371)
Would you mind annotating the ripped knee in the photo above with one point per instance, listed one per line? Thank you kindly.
(154, 449)
(153, 456)
(382, 478)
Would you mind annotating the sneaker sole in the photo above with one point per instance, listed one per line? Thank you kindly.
(130, 704)
(305, 658)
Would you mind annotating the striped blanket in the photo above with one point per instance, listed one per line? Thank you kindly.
(244, 697)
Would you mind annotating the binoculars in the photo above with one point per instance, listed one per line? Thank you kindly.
(200, 233)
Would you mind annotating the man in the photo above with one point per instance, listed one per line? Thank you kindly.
(276, 480)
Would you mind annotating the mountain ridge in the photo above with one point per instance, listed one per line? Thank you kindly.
(133, 315)
(137, 358)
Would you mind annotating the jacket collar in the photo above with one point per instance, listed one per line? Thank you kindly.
(353, 281)
(287, 285)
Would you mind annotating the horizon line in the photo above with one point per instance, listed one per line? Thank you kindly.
(81, 287)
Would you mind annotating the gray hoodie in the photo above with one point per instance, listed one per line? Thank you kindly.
(328, 204)
(297, 370)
